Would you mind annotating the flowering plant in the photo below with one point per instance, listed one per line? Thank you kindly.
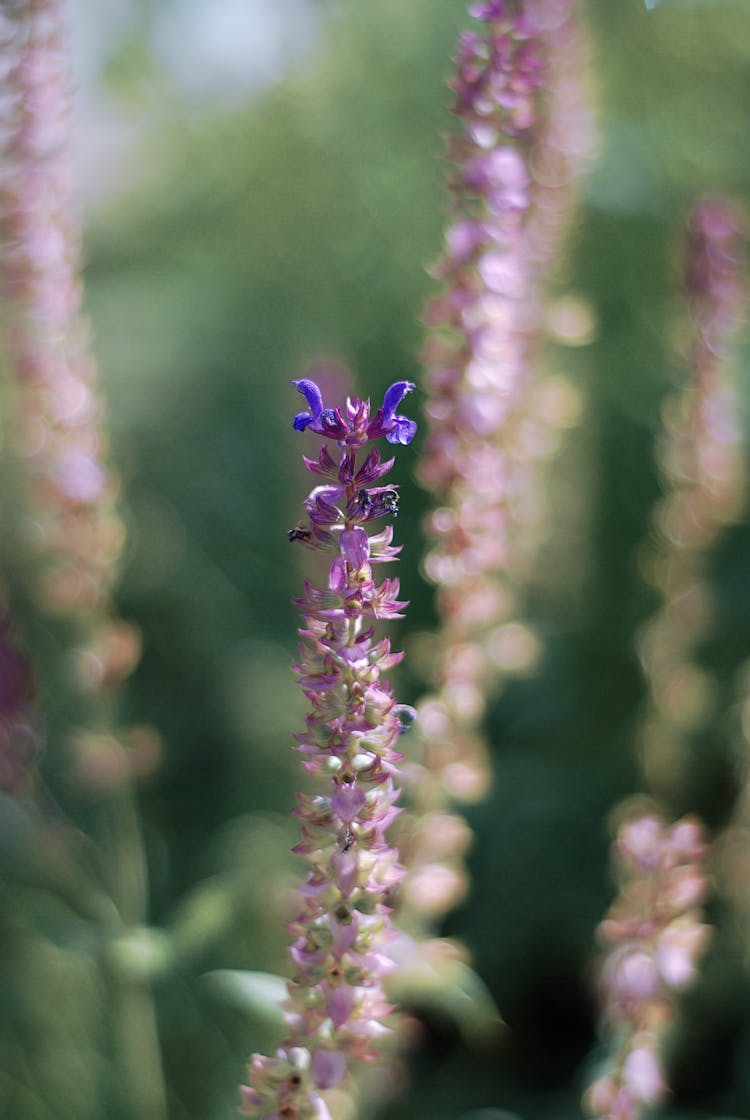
(336, 1004)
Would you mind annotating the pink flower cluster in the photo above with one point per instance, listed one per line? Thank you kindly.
(701, 457)
(564, 142)
(701, 454)
(476, 365)
(474, 356)
(654, 938)
(654, 929)
(714, 279)
(336, 1006)
(73, 534)
(525, 131)
(716, 288)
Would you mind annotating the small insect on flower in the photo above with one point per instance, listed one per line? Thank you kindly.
(299, 533)
(378, 504)
(365, 501)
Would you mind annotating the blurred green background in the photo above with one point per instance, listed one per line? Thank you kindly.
(248, 230)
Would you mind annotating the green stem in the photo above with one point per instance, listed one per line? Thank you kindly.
(136, 1029)
(137, 1038)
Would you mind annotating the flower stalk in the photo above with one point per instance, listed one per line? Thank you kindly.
(701, 458)
(74, 536)
(654, 938)
(653, 932)
(336, 1006)
(524, 137)
(71, 539)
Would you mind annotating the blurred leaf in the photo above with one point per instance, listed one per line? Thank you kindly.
(53, 1053)
(452, 989)
(19, 837)
(131, 69)
(141, 955)
(259, 993)
(203, 916)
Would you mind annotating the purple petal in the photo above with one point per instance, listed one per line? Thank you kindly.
(344, 934)
(378, 964)
(327, 1067)
(345, 867)
(463, 238)
(320, 1106)
(355, 546)
(251, 1100)
(502, 273)
(506, 167)
(347, 800)
(393, 397)
(372, 468)
(312, 395)
(337, 576)
(403, 430)
(339, 1003)
(643, 1076)
(305, 957)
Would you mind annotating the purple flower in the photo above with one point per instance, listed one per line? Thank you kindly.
(355, 546)
(396, 429)
(48, 349)
(324, 421)
(642, 1075)
(654, 937)
(348, 801)
(339, 954)
(328, 1067)
(356, 428)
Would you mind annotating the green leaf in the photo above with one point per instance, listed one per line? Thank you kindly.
(452, 989)
(259, 993)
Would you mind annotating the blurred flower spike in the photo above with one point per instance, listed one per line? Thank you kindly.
(523, 136)
(356, 427)
(58, 431)
(654, 939)
(336, 1009)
